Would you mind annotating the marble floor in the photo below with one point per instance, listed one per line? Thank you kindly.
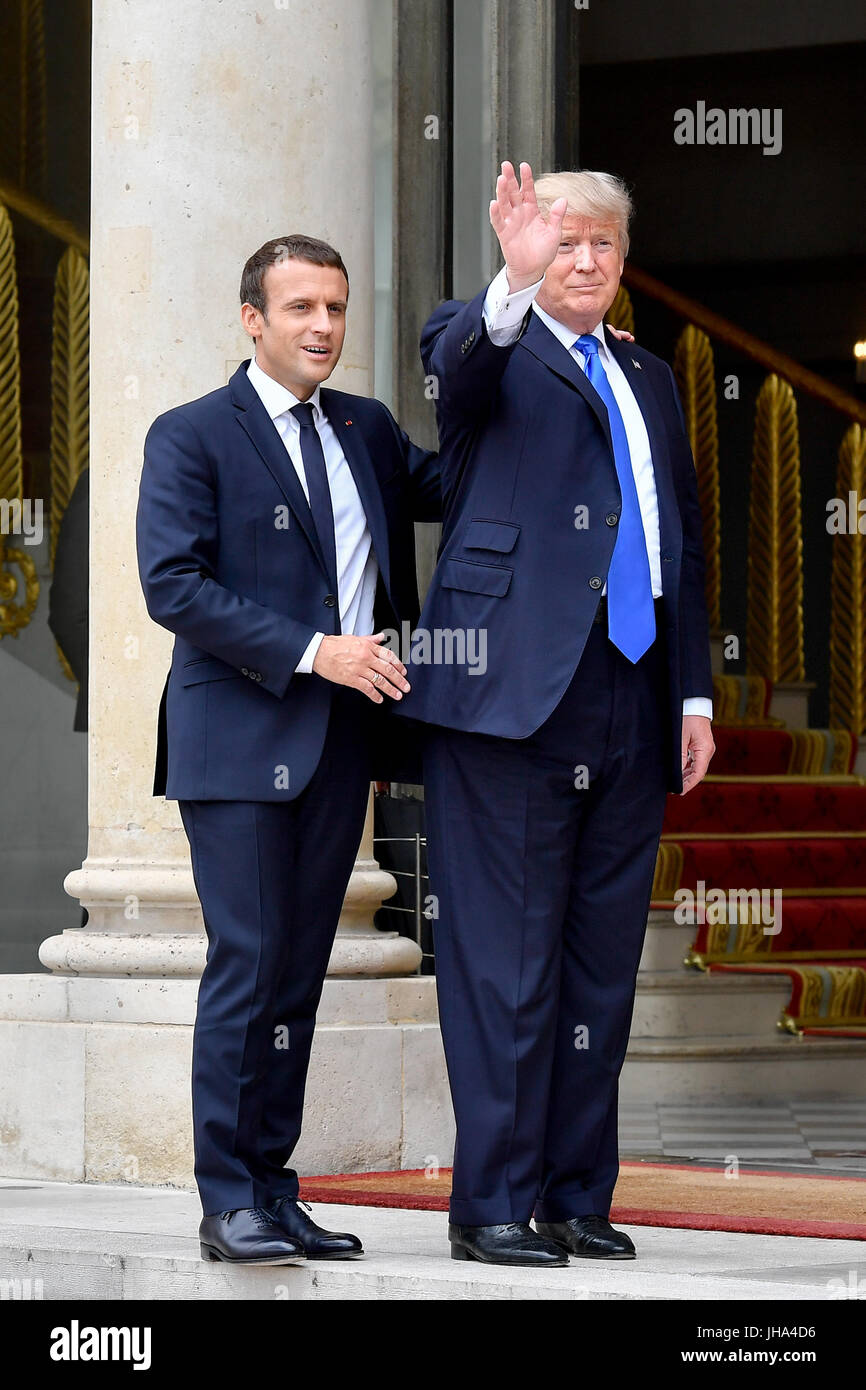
(827, 1135)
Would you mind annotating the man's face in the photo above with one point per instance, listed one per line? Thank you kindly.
(582, 279)
(300, 342)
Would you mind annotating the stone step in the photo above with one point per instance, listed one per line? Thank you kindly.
(79, 1242)
(710, 1067)
(688, 1003)
(666, 943)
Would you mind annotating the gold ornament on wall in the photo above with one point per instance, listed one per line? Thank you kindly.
(695, 372)
(13, 616)
(70, 346)
(848, 597)
(774, 623)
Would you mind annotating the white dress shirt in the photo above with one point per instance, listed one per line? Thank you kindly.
(504, 311)
(357, 568)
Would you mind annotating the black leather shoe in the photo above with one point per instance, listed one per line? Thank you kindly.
(248, 1236)
(317, 1243)
(513, 1244)
(591, 1237)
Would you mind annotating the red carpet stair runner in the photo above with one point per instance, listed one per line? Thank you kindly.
(780, 810)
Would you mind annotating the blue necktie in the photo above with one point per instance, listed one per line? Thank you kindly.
(631, 619)
(316, 474)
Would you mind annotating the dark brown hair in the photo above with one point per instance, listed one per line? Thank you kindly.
(285, 248)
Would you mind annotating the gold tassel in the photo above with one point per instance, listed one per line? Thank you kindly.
(696, 378)
(13, 616)
(848, 597)
(774, 625)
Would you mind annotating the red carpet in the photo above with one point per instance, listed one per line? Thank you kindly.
(654, 1194)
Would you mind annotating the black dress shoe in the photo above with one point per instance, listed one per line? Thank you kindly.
(317, 1243)
(248, 1236)
(513, 1244)
(592, 1237)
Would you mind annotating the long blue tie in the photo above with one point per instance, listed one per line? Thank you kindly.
(631, 619)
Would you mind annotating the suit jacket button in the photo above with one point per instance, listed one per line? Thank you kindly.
(244, 671)
(258, 675)
(611, 518)
(329, 600)
(595, 582)
(471, 339)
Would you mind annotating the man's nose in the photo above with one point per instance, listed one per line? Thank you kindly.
(583, 259)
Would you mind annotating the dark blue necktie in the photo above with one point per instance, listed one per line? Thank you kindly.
(316, 474)
(631, 619)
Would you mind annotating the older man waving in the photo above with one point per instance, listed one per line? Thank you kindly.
(573, 541)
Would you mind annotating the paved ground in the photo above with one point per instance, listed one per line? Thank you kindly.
(86, 1242)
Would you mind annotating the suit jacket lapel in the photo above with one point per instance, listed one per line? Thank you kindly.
(544, 345)
(670, 527)
(338, 408)
(263, 433)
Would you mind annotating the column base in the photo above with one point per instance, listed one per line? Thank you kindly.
(181, 955)
(95, 1086)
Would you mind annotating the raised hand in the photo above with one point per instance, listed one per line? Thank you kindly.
(529, 241)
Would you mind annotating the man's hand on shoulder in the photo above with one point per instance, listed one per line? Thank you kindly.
(620, 333)
(364, 664)
(528, 241)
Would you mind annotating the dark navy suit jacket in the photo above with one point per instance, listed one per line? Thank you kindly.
(230, 563)
(524, 441)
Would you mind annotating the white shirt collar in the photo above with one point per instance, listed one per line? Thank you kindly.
(567, 336)
(275, 397)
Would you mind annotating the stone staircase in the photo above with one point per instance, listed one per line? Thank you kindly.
(698, 1036)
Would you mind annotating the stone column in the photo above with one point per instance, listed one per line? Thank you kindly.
(215, 127)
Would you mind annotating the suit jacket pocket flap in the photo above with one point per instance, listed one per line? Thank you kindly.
(492, 535)
(208, 668)
(476, 578)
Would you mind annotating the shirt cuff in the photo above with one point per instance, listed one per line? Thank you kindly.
(698, 704)
(504, 310)
(305, 665)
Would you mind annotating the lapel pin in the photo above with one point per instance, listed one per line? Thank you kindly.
(348, 422)
(635, 364)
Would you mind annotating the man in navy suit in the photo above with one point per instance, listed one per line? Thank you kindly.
(572, 542)
(276, 541)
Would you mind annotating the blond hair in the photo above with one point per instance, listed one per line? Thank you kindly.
(596, 196)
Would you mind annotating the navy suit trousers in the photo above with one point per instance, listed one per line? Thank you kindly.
(541, 852)
(271, 877)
